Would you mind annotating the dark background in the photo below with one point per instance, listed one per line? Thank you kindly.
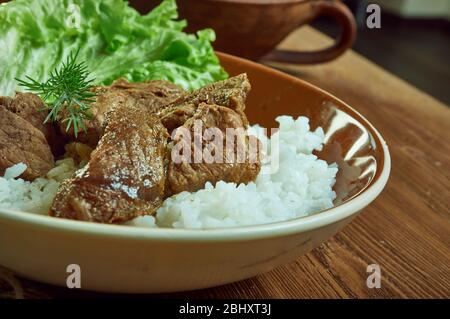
(417, 50)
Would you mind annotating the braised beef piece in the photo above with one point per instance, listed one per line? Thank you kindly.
(105, 102)
(132, 169)
(149, 95)
(20, 142)
(125, 176)
(231, 93)
(233, 162)
(220, 105)
(168, 101)
(30, 107)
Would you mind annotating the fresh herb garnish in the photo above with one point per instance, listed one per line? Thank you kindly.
(66, 93)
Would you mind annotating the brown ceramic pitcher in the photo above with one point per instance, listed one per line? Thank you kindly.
(253, 28)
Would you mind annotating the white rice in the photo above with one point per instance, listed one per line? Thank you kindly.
(301, 186)
(36, 196)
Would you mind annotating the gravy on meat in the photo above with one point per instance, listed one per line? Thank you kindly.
(20, 142)
(125, 176)
(150, 95)
(131, 170)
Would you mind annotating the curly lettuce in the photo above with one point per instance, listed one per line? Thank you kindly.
(114, 40)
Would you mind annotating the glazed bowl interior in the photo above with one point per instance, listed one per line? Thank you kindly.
(350, 141)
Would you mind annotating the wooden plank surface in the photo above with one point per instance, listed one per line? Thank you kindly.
(406, 231)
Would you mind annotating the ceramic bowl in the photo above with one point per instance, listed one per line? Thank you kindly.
(140, 260)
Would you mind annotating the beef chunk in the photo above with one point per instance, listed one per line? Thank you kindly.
(125, 176)
(30, 107)
(20, 141)
(231, 162)
(168, 101)
(150, 95)
(231, 93)
(105, 102)
(135, 164)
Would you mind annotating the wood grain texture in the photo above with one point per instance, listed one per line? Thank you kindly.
(406, 230)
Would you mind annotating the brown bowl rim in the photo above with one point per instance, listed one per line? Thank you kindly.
(323, 218)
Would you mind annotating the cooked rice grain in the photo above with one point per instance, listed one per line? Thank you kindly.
(301, 186)
(36, 196)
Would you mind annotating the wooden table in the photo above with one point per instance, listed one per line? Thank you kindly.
(406, 230)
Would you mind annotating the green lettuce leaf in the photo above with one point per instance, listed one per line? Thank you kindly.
(114, 40)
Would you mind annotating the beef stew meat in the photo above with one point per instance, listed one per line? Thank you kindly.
(230, 93)
(125, 176)
(30, 107)
(105, 102)
(224, 162)
(20, 142)
(132, 170)
(149, 95)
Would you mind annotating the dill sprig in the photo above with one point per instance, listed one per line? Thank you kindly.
(66, 93)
